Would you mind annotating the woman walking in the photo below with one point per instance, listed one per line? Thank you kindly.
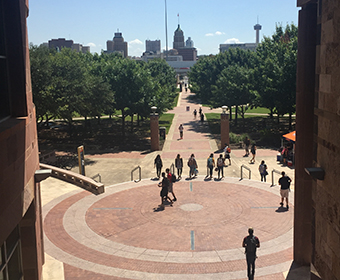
(263, 171)
(211, 164)
(253, 152)
(180, 128)
(220, 165)
(193, 166)
(179, 166)
(158, 164)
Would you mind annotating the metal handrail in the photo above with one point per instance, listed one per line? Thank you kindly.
(140, 174)
(274, 171)
(245, 167)
(97, 175)
(172, 168)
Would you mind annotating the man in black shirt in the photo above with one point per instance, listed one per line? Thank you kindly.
(251, 243)
(284, 182)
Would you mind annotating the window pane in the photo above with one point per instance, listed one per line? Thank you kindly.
(11, 241)
(14, 265)
(2, 36)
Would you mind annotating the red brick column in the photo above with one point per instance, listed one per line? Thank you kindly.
(224, 129)
(305, 90)
(154, 127)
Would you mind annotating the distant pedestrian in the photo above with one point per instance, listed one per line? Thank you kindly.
(179, 166)
(202, 118)
(220, 166)
(211, 164)
(193, 166)
(164, 191)
(253, 152)
(263, 171)
(200, 111)
(284, 182)
(195, 113)
(180, 128)
(158, 164)
(171, 179)
(246, 146)
(227, 152)
(251, 243)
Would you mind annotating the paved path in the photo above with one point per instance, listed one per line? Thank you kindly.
(122, 234)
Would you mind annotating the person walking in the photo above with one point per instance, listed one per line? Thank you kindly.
(164, 191)
(202, 118)
(284, 182)
(171, 181)
(246, 146)
(195, 114)
(211, 164)
(192, 165)
(263, 171)
(253, 152)
(220, 166)
(179, 166)
(158, 164)
(180, 128)
(251, 243)
(227, 152)
(200, 111)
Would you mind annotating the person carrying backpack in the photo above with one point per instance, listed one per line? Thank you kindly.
(251, 243)
(227, 152)
(220, 166)
(211, 164)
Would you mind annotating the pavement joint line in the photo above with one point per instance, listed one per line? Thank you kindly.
(192, 240)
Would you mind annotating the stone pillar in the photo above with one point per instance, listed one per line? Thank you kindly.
(305, 89)
(154, 131)
(224, 129)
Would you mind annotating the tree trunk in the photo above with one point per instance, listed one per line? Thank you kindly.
(123, 123)
(236, 113)
(131, 122)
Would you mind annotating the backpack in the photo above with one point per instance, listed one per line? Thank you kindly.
(251, 244)
(173, 178)
(210, 162)
(228, 150)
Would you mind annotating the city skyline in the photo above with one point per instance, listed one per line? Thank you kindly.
(208, 24)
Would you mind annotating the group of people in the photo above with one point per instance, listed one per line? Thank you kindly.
(200, 113)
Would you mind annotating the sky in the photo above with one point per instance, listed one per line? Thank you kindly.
(209, 23)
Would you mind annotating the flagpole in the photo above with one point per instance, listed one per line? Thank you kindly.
(166, 31)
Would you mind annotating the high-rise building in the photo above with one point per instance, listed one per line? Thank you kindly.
(153, 46)
(178, 38)
(21, 238)
(189, 43)
(117, 45)
(257, 28)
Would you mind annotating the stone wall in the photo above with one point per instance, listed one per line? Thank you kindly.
(326, 193)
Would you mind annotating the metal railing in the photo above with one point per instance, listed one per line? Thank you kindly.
(245, 167)
(274, 171)
(97, 175)
(172, 168)
(140, 174)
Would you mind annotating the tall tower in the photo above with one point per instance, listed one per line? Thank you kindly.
(257, 28)
(178, 38)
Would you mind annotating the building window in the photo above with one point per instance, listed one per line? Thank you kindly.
(4, 92)
(10, 257)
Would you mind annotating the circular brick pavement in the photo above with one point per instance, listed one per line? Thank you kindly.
(123, 227)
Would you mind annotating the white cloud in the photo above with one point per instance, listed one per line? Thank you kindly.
(219, 33)
(233, 41)
(92, 45)
(135, 42)
(209, 34)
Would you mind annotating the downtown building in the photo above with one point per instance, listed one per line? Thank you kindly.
(60, 43)
(21, 235)
(117, 45)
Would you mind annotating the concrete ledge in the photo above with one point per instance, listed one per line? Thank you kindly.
(74, 178)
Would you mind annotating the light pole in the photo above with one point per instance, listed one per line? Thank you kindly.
(224, 127)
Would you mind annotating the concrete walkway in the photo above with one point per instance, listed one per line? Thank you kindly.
(122, 234)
